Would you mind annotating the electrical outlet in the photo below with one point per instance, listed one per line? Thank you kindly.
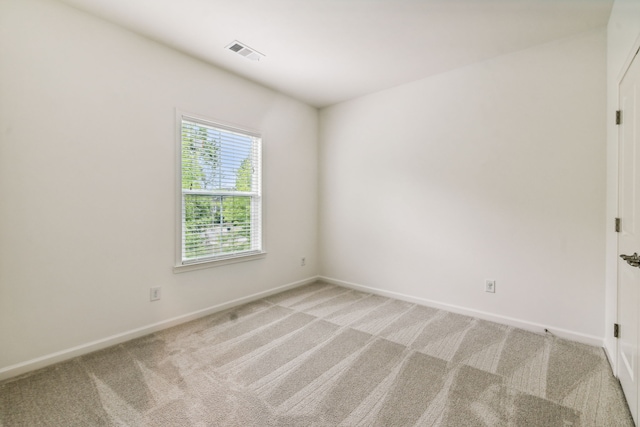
(303, 261)
(490, 286)
(155, 293)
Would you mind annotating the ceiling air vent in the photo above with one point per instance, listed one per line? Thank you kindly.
(245, 51)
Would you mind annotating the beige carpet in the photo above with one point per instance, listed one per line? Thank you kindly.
(322, 355)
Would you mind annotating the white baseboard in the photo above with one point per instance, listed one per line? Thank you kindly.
(505, 320)
(60, 356)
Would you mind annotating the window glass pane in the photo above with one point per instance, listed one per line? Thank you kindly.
(215, 225)
(201, 217)
(212, 158)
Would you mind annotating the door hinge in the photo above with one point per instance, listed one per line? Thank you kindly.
(618, 117)
(616, 330)
(617, 225)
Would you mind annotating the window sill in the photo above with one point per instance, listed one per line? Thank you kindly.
(183, 268)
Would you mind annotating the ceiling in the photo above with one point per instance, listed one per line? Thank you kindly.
(327, 51)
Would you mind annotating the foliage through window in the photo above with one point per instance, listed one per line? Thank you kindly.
(221, 194)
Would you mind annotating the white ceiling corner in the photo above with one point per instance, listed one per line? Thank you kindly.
(327, 51)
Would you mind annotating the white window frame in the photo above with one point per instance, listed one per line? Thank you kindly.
(182, 265)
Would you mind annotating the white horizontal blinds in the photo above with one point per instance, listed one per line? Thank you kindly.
(221, 204)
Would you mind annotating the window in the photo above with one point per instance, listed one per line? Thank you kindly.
(220, 191)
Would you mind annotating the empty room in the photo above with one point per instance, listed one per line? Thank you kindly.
(319, 212)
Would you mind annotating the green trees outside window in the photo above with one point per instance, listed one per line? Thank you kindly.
(219, 186)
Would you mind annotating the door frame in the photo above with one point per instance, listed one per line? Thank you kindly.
(627, 171)
(612, 258)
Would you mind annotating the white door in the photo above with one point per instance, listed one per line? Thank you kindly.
(629, 237)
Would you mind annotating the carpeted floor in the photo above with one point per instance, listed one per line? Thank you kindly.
(322, 355)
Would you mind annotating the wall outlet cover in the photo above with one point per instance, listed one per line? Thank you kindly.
(490, 286)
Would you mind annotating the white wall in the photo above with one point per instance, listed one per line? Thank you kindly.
(495, 170)
(87, 164)
(623, 39)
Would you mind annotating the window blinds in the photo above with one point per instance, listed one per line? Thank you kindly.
(221, 194)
